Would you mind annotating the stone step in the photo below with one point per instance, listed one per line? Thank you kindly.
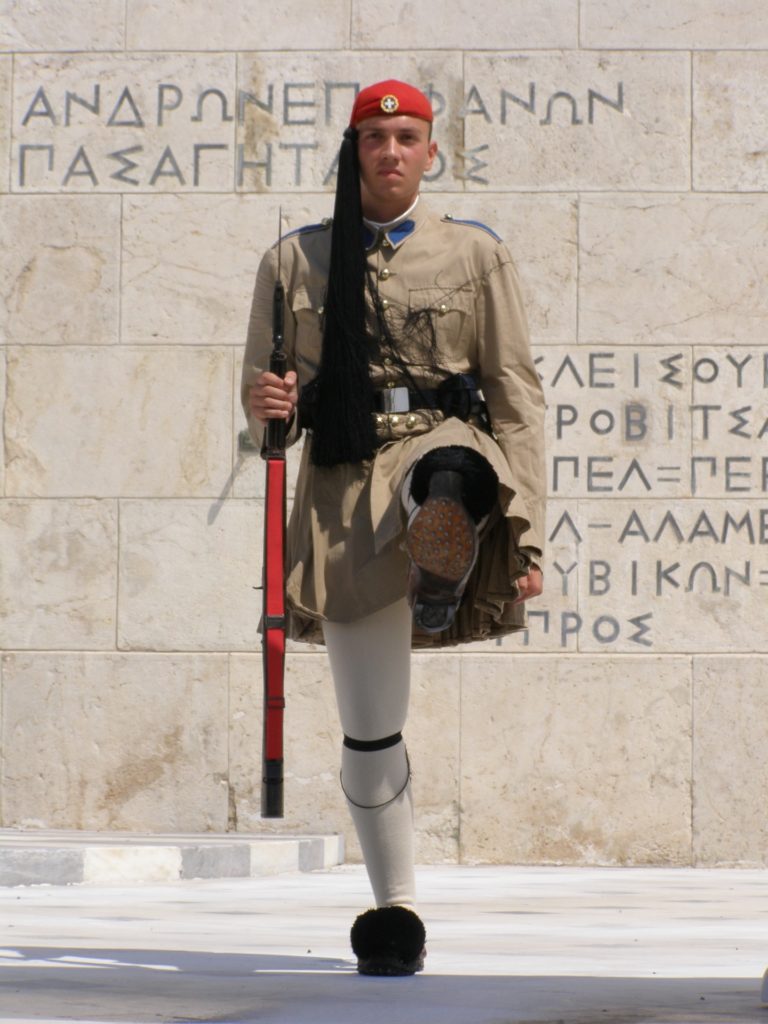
(66, 858)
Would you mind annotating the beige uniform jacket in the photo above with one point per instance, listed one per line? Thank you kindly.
(345, 556)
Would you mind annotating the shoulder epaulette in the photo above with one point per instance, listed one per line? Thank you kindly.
(307, 228)
(472, 223)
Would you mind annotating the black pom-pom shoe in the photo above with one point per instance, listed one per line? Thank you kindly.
(389, 941)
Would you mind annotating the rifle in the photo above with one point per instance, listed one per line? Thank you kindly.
(273, 616)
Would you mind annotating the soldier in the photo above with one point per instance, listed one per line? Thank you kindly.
(418, 516)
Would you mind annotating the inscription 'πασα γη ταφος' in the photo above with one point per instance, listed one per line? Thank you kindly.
(80, 135)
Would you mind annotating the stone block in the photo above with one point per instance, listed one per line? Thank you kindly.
(232, 861)
(730, 765)
(116, 865)
(6, 70)
(618, 420)
(576, 760)
(313, 798)
(673, 269)
(51, 25)
(274, 857)
(673, 576)
(35, 867)
(433, 735)
(118, 123)
(294, 109)
(190, 262)
(115, 741)
(58, 574)
(331, 853)
(2, 416)
(730, 423)
(188, 573)
(119, 421)
(541, 234)
(576, 120)
(320, 853)
(687, 24)
(729, 129)
(527, 24)
(59, 268)
(241, 25)
(649, 577)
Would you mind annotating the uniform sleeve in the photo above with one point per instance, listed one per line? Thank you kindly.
(513, 391)
(258, 346)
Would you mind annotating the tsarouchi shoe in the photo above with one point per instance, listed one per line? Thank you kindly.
(442, 543)
(389, 941)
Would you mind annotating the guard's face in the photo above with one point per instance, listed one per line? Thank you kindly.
(395, 152)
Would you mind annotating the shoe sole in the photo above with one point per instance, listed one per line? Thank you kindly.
(442, 539)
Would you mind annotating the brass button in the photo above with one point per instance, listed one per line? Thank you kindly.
(394, 419)
(385, 243)
(321, 310)
(410, 420)
(390, 383)
(443, 309)
(387, 361)
(384, 274)
(385, 303)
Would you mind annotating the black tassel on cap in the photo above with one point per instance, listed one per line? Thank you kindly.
(343, 428)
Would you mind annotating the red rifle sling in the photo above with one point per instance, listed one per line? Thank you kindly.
(274, 608)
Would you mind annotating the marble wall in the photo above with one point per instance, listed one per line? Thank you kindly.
(622, 151)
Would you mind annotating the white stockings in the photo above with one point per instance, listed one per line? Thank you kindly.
(370, 662)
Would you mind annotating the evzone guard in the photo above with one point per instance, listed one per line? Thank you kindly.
(418, 518)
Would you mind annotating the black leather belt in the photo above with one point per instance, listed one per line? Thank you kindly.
(405, 400)
(458, 396)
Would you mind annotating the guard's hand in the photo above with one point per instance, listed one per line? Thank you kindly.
(530, 585)
(273, 398)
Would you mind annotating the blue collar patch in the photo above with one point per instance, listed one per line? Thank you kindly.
(401, 231)
(394, 236)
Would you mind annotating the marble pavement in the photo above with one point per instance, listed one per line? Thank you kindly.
(620, 151)
(505, 946)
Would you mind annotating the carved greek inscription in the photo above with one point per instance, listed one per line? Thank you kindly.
(136, 134)
(690, 554)
(665, 429)
(560, 106)
(650, 439)
(606, 629)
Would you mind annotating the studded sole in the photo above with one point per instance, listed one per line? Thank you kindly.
(442, 539)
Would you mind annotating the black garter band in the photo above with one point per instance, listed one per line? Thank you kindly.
(368, 745)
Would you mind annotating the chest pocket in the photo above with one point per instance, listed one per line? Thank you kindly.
(449, 313)
(307, 305)
(307, 310)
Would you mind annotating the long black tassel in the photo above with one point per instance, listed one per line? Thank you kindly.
(343, 423)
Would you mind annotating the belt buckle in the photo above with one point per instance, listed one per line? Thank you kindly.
(395, 400)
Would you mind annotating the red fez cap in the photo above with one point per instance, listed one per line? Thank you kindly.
(390, 97)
